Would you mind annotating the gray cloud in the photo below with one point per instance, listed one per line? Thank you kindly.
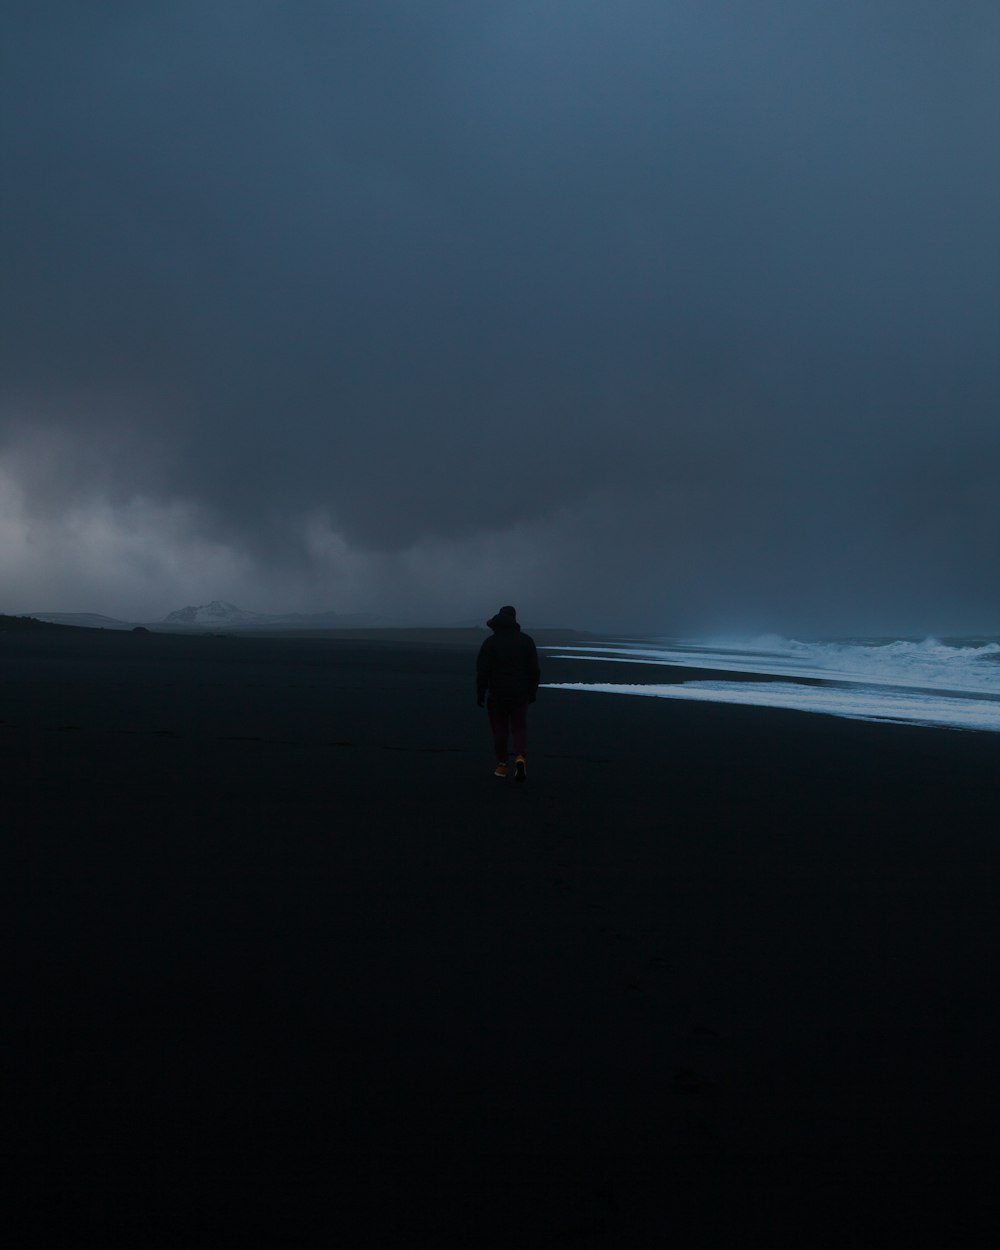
(648, 315)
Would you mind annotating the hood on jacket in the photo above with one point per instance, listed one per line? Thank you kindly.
(506, 618)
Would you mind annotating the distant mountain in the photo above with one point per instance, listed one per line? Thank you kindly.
(214, 615)
(20, 624)
(85, 620)
(220, 615)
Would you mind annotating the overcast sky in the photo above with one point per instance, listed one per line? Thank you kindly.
(673, 315)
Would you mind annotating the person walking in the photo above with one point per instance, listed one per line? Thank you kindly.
(507, 677)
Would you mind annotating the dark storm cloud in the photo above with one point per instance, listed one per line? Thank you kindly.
(665, 314)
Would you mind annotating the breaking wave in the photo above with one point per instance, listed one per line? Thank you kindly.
(954, 682)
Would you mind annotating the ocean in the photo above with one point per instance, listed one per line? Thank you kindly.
(953, 682)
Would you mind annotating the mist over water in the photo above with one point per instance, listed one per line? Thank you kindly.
(953, 683)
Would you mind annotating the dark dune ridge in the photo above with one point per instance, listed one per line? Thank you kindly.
(286, 956)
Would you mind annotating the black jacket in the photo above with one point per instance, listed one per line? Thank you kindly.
(507, 666)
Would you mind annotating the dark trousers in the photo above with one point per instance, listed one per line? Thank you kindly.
(508, 719)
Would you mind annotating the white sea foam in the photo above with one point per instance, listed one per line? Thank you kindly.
(929, 682)
(857, 703)
(930, 664)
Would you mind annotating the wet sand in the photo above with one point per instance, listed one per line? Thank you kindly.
(285, 955)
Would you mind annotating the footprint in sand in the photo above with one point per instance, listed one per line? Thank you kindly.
(687, 1081)
(702, 1033)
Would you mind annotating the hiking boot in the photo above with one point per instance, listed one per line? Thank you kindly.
(500, 770)
(519, 770)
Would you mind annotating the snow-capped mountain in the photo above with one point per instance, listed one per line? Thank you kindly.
(215, 614)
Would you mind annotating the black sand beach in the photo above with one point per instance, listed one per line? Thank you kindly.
(285, 956)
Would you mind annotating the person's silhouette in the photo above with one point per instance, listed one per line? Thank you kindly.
(507, 677)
